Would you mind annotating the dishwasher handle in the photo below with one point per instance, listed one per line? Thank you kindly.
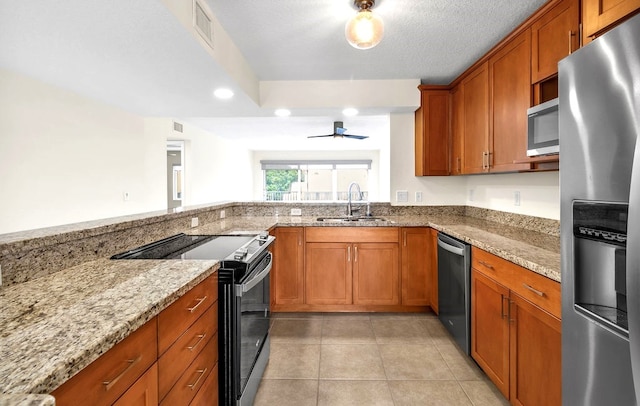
(451, 248)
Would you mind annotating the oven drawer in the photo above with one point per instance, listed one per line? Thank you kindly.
(194, 377)
(173, 362)
(175, 319)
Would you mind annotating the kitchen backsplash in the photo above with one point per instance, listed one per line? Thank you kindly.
(30, 254)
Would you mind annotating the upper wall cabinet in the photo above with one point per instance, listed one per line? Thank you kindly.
(600, 15)
(432, 132)
(475, 104)
(553, 36)
(457, 130)
(509, 81)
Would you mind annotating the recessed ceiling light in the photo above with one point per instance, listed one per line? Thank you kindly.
(350, 111)
(283, 113)
(223, 93)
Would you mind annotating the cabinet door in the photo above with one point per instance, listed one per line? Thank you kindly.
(490, 329)
(416, 266)
(432, 133)
(553, 36)
(510, 80)
(600, 14)
(328, 273)
(457, 130)
(536, 376)
(288, 276)
(376, 274)
(433, 246)
(476, 120)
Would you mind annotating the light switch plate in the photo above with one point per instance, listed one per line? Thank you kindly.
(223, 214)
(516, 198)
(418, 197)
(194, 222)
(402, 196)
(296, 212)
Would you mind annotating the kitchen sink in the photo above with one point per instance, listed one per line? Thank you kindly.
(351, 219)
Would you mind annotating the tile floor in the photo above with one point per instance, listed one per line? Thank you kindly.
(334, 359)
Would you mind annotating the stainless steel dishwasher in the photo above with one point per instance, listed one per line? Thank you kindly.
(454, 288)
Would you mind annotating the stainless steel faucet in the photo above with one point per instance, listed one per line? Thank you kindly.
(349, 208)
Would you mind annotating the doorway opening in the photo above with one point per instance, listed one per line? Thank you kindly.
(175, 174)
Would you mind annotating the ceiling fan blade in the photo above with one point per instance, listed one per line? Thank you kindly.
(321, 136)
(357, 137)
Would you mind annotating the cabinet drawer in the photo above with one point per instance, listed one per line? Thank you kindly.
(108, 377)
(175, 319)
(352, 234)
(492, 266)
(538, 289)
(194, 376)
(144, 392)
(173, 362)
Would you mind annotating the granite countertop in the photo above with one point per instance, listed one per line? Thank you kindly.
(54, 326)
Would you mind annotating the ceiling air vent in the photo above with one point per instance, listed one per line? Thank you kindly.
(177, 127)
(202, 23)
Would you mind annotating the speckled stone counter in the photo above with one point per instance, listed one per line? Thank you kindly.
(53, 326)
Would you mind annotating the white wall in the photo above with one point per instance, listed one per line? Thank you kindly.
(539, 192)
(67, 159)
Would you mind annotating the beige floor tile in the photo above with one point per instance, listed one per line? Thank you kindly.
(293, 361)
(347, 331)
(401, 331)
(346, 361)
(483, 393)
(428, 393)
(285, 392)
(414, 362)
(288, 315)
(460, 364)
(296, 331)
(354, 393)
(348, 315)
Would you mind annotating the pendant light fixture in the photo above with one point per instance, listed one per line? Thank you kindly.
(365, 29)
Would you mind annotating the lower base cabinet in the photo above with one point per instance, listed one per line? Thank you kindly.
(171, 360)
(516, 330)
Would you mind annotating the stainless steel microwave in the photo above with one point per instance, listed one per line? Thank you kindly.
(542, 132)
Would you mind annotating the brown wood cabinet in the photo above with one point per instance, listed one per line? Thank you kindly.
(554, 36)
(510, 84)
(432, 132)
(376, 274)
(416, 266)
(598, 16)
(144, 392)
(516, 341)
(433, 245)
(328, 273)
(457, 130)
(475, 93)
(287, 277)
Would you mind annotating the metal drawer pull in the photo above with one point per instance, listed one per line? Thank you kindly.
(192, 309)
(201, 372)
(502, 314)
(109, 384)
(486, 265)
(349, 253)
(536, 291)
(355, 255)
(201, 337)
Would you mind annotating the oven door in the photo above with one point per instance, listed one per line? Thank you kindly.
(252, 305)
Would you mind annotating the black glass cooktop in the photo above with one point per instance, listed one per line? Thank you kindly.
(182, 246)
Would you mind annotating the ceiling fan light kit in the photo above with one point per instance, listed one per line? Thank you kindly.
(365, 29)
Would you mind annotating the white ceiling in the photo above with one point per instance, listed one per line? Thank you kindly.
(138, 56)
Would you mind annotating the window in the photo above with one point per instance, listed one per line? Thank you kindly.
(314, 180)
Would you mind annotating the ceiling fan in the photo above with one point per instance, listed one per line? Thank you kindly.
(339, 132)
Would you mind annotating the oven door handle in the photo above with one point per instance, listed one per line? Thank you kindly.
(250, 284)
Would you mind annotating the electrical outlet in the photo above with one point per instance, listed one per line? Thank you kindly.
(194, 222)
(125, 196)
(296, 212)
(418, 197)
(516, 198)
(471, 193)
(402, 196)
(223, 214)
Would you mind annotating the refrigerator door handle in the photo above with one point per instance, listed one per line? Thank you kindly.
(633, 269)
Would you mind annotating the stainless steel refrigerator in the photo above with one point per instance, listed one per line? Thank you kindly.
(599, 113)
